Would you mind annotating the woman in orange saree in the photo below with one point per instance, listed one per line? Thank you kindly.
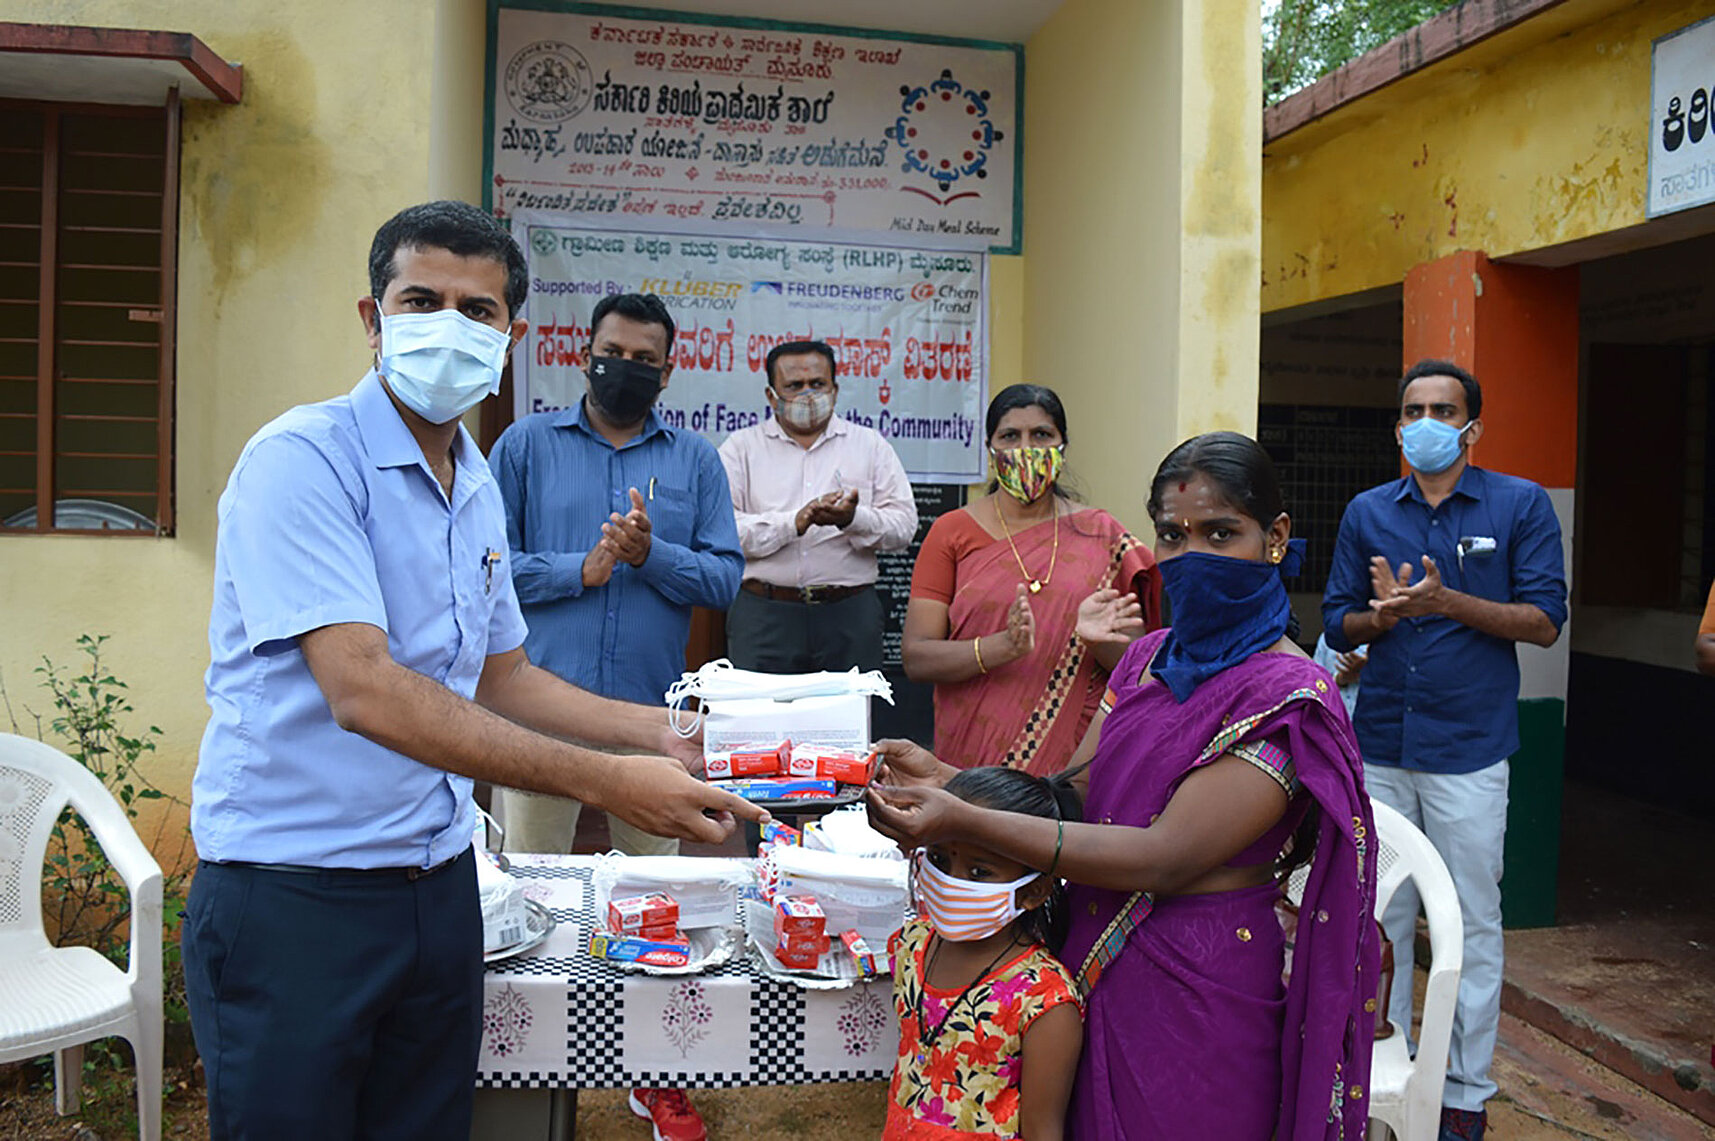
(1022, 601)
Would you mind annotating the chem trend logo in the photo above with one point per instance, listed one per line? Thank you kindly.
(946, 135)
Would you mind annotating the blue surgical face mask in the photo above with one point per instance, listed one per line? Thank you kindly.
(1431, 446)
(440, 364)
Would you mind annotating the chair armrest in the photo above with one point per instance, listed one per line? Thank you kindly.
(137, 867)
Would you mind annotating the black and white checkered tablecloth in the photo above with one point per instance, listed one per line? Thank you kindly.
(556, 1016)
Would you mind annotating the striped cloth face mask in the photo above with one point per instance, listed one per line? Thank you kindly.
(963, 911)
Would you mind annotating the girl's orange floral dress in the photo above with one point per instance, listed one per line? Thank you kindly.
(964, 1083)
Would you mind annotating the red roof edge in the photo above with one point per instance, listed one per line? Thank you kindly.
(225, 81)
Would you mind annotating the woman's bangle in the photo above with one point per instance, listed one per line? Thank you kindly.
(977, 648)
(1059, 839)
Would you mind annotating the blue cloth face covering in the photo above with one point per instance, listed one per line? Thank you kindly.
(1430, 446)
(1224, 610)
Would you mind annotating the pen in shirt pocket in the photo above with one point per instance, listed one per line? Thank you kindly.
(652, 489)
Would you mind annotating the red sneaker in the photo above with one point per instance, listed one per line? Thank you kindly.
(670, 1112)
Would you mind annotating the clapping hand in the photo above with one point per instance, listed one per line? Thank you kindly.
(835, 509)
(1108, 616)
(1020, 625)
(1406, 599)
(627, 536)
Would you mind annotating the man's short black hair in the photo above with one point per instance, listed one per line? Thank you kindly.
(794, 348)
(644, 308)
(1430, 367)
(457, 227)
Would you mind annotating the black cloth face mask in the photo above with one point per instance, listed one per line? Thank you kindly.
(623, 389)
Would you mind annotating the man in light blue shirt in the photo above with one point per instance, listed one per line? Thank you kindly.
(366, 666)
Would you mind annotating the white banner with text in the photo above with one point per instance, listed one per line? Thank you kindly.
(737, 124)
(907, 327)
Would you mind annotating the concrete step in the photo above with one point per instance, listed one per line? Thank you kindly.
(1638, 996)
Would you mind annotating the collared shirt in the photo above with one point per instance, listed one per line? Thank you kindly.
(332, 515)
(560, 479)
(772, 477)
(1437, 695)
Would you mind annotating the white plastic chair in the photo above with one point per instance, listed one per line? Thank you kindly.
(56, 999)
(1405, 1094)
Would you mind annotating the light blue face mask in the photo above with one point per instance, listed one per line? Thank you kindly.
(441, 364)
(1431, 446)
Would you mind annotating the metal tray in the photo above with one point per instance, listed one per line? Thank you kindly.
(539, 921)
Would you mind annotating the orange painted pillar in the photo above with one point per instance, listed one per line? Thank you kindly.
(1515, 328)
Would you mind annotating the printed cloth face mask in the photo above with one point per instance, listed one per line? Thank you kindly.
(963, 911)
(441, 364)
(806, 412)
(1430, 446)
(1025, 473)
(624, 389)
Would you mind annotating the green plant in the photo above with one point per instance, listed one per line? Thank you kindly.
(83, 899)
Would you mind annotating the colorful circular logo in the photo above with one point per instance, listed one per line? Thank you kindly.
(549, 82)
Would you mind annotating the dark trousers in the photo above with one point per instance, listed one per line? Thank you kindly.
(335, 1005)
(801, 637)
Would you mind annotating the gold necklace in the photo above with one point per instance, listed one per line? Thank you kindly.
(1036, 585)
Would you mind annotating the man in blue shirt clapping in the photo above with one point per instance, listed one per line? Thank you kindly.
(1441, 574)
(617, 524)
(367, 665)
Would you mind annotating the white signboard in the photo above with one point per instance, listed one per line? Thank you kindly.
(645, 122)
(906, 326)
(1682, 133)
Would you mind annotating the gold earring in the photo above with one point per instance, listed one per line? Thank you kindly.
(1275, 554)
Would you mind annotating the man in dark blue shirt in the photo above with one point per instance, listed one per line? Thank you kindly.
(1441, 574)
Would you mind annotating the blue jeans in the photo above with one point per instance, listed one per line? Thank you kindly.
(1465, 817)
(335, 1005)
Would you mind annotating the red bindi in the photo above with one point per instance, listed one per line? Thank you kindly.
(1181, 487)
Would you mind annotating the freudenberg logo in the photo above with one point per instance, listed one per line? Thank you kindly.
(767, 287)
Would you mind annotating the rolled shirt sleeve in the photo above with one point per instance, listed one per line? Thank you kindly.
(1539, 559)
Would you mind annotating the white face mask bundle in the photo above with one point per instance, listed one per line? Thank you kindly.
(440, 364)
(720, 680)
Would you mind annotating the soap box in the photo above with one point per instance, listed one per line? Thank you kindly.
(634, 913)
(798, 915)
(755, 761)
(843, 765)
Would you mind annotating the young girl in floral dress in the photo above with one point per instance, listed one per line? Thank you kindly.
(990, 1025)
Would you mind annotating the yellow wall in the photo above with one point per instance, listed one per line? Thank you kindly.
(280, 197)
(1140, 230)
(1533, 138)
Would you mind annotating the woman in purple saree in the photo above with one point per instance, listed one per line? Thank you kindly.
(1222, 756)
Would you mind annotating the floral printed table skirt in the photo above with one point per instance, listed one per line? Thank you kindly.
(556, 1017)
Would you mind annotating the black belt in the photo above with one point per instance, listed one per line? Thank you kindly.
(313, 870)
(809, 594)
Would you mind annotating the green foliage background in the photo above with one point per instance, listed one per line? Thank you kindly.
(1303, 40)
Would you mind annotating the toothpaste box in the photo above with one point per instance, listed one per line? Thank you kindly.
(777, 832)
(636, 913)
(780, 788)
(867, 961)
(798, 915)
(751, 761)
(843, 765)
(632, 949)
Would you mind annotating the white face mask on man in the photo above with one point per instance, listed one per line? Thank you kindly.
(441, 364)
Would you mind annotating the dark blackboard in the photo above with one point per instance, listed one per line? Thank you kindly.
(912, 713)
